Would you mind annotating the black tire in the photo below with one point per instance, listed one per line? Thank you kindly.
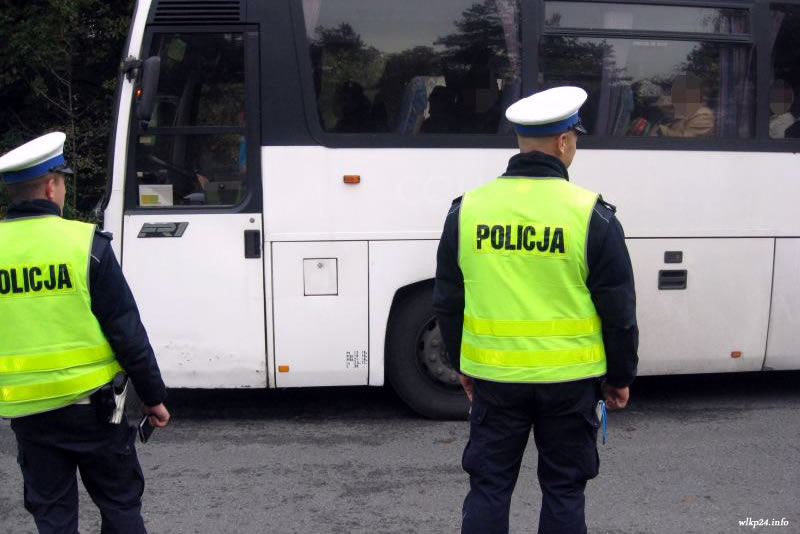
(416, 362)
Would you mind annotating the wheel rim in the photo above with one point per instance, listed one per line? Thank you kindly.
(432, 356)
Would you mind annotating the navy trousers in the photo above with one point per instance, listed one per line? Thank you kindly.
(53, 445)
(565, 431)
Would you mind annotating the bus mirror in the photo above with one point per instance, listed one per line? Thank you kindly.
(145, 95)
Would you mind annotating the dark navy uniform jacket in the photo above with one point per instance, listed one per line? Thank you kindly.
(610, 280)
(114, 307)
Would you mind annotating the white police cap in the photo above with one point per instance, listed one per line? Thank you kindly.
(548, 112)
(34, 159)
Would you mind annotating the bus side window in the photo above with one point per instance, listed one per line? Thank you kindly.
(784, 93)
(656, 86)
(375, 65)
(194, 151)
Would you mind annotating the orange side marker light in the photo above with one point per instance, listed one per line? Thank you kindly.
(352, 178)
(283, 368)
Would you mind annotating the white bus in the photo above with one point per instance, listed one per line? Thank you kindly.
(279, 214)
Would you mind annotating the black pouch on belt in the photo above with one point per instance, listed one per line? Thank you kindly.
(104, 399)
(103, 402)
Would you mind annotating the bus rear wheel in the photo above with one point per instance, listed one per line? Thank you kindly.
(417, 363)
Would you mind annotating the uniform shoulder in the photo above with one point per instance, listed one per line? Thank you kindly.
(455, 204)
(100, 243)
(604, 209)
(106, 236)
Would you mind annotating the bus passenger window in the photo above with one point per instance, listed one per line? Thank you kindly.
(652, 86)
(784, 93)
(194, 151)
(376, 65)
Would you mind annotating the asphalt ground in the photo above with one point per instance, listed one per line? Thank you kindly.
(691, 454)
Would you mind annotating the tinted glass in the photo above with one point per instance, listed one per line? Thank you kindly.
(784, 94)
(191, 169)
(655, 87)
(194, 151)
(414, 66)
(602, 16)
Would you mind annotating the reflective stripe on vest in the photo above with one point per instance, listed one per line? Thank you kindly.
(528, 314)
(52, 349)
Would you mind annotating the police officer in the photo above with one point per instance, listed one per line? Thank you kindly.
(534, 291)
(69, 326)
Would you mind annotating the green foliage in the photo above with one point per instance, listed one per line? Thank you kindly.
(480, 39)
(574, 60)
(346, 58)
(58, 71)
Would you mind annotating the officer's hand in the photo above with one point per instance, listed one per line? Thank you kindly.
(466, 383)
(616, 398)
(159, 416)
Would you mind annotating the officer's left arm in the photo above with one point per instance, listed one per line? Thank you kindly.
(610, 283)
(448, 289)
(116, 311)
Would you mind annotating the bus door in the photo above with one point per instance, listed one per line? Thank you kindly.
(193, 221)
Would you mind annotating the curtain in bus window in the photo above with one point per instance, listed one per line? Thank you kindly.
(311, 11)
(414, 67)
(736, 87)
(509, 17)
(616, 98)
(736, 92)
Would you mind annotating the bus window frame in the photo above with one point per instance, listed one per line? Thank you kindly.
(532, 29)
(252, 201)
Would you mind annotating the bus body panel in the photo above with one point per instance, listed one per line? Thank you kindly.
(717, 194)
(723, 310)
(402, 194)
(695, 193)
(200, 299)
(321, 320)
(784, 325)
(392, 265)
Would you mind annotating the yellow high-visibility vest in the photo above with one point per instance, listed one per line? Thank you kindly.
(528, 315)
(52, 349)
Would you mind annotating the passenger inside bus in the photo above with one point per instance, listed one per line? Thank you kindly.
(690, 116)
(478, 105)
(441, 110)
(354, 109)
(781, 100)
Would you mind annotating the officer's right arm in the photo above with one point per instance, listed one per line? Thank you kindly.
(610, 283)
(448, 289)
(116, 311)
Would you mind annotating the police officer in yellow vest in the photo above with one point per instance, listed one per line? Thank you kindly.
(69, 327)
(535, 300)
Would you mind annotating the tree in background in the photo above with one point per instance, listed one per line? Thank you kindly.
(58, 71)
